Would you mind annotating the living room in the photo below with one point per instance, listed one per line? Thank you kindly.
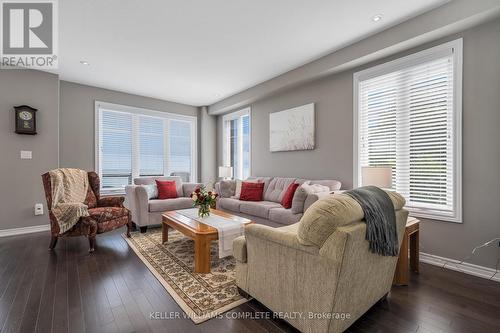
(253, 166)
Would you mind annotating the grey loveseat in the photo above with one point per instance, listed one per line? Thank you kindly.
(274, 190)
(147, 210)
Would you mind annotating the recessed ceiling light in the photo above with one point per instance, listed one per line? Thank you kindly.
(85, 63)
(377, 18)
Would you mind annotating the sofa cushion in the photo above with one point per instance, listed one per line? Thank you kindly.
(101, 214)
(333, 211)
(277, 188)
(166, 189)
(231, 204)
(301, 194)
(227, 188)
(251, 191)
(258, 208)
(151, 180)
(286, 202)
(284, 216)
(157, 205)
(265, 180)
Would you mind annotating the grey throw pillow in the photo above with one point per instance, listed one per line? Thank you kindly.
(301, 194)
(151, 190)
(227, 188)
(299, 197)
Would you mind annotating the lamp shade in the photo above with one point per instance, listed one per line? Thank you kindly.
(380, 176)
(225, 171)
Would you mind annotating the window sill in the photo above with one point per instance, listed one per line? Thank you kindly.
(433, 216)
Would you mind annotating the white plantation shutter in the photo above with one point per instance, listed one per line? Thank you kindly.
(151, 146)
(116, 149)
(407, 119)
(133, 142)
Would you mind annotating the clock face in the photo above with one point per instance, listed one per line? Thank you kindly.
(25, 115)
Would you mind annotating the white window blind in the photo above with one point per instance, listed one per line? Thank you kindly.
(116, 146)
(236, 149)
(409, 119)
(180, 151)
(151, 146)
(134, 142)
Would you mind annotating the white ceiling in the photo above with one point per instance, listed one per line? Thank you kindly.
(199, 52)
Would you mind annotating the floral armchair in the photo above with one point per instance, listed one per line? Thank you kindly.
(105, 214)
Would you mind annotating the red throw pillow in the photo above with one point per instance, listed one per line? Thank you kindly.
(166, 189)
(251, 191)
(286, 202)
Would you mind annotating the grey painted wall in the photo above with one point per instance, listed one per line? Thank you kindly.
(77, 119)
(21, 184)
(332, 157)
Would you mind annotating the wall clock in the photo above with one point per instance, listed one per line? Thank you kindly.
(25, 119)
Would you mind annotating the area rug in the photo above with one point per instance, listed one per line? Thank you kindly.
(201, 296)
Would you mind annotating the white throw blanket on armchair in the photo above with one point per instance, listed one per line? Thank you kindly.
(69, 190)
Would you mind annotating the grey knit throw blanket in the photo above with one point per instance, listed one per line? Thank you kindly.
(380, 219)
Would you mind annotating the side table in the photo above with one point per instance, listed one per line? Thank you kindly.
(409, 246)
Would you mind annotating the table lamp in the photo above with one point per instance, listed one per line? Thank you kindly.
(226, 172)
(380, 176)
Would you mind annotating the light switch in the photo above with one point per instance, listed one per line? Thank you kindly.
(26, 155)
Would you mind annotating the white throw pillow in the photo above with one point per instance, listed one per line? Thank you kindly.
(151, 190)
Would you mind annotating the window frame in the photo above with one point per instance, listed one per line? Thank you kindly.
(456, 46)
(136, 113)
(226, 160)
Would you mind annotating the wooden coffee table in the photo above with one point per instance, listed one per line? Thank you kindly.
(202, 234)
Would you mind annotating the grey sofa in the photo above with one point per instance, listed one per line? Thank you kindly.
(274, 190)
(146, 210)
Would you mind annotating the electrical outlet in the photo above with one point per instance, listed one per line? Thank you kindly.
(38, 209)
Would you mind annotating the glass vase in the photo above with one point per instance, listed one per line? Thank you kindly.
(203, 210)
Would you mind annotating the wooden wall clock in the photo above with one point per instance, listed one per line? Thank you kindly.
(25, 119)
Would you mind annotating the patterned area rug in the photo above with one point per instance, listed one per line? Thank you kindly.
(201, 296)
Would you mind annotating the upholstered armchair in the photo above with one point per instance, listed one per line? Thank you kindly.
(105, 214)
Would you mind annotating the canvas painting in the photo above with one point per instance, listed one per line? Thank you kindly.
(292, 129)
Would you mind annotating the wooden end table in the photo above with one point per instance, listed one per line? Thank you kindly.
(408, 246)
(201, 233)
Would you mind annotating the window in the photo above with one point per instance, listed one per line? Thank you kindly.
(236, 141)
(133, 142)
(408, 116)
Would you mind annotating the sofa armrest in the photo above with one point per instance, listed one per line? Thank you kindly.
(137, 202)
(278, 236)
(188, 188)
(313, 197)
(240, 249)
(110, 202)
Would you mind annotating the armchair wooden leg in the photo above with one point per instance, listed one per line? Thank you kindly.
(91, 244)
(143, 229)
(53, 242)
(129, 228)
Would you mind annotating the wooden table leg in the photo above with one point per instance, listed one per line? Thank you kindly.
(402, 275)
(164, 233)
(201, 255)
(414, 251)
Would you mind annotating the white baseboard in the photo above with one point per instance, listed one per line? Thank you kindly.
(464, 267)
(25, 230)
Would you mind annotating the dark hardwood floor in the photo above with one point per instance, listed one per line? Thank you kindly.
(112, 291)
